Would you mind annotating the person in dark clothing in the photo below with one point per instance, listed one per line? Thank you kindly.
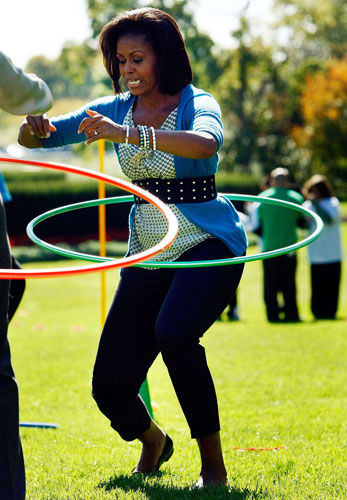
(19, 94)
(17, 287)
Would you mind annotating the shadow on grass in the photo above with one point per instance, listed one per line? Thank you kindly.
(165, 491)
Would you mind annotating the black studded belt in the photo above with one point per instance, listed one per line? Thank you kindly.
(187, 190)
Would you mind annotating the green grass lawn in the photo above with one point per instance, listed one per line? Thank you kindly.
(278, 385)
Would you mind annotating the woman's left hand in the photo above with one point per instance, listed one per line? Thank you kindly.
(100, 127)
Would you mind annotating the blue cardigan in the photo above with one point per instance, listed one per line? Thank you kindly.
(198, 111)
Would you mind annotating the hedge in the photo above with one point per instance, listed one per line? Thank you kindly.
(31, 199)
(40, 192)
(34, 253)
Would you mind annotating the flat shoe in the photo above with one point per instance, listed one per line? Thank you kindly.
(164, 457)
(166, 453)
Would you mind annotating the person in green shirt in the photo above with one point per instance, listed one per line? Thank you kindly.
(279, 229)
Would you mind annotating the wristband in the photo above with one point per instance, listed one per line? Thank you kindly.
(146, 131)
(154, 141)
(142, 136)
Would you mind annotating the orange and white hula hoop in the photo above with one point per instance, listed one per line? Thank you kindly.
(123, 262)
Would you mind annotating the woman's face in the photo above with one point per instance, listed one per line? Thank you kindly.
(137, 64)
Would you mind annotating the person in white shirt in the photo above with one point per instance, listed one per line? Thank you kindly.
(325, 253)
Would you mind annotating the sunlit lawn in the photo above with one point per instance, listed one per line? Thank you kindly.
(278, 385)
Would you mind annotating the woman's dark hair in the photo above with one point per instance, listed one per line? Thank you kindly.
(318, 183)
(162, 32)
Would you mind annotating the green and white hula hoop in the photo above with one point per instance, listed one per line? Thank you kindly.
(158, 264)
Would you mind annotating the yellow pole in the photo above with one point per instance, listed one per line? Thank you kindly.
(102, 228)
(144, 389)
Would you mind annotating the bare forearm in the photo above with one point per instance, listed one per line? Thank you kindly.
(183, 143)
(186, 144)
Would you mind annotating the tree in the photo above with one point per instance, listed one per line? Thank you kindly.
(77, 64)
(322, 135)
(102, 11)
(314, 29)
(315, 49)
(77, 72)
(51, 72)
(255, 98)
(200, 46)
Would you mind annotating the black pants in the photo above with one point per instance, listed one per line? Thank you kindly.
(17, 288)
(325, 284)
(167, 311)
(12, 479)
(279, 277)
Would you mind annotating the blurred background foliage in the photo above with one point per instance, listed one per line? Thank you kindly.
(284, 99)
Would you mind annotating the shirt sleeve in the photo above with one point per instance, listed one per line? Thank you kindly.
(22, 93)
(328, 206)
(67, 125)
(332, 206)
(205, 116)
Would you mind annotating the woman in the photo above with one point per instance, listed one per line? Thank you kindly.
(166, 134)
(325, 254)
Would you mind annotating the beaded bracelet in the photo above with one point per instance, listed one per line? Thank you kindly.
(147, 143)
(142, 136)
(144, 139)
(154, 141)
